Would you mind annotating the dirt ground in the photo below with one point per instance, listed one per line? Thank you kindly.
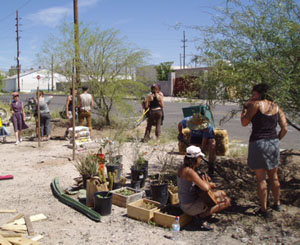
(34, 168)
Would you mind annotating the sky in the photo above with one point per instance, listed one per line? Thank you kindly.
(147, 24)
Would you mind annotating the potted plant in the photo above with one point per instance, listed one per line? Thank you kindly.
(103, 202)
(139, 169)
(113, 159)
(87, 166)
(159, 187)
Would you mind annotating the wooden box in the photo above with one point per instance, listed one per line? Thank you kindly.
(173, 193)
(166, 216)
(122, 200)
(137, 209)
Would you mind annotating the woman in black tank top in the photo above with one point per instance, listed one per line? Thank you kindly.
(155, 103)
(264, 148)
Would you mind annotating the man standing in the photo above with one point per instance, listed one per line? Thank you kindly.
(86, 104)
(201, 135)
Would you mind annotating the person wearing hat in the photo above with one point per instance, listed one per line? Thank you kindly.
(188, 180)
(18, 116)
(202, 135)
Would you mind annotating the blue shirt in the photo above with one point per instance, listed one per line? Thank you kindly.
(206, 133)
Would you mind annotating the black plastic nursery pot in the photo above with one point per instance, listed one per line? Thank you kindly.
(85, 177)
(103, 204)
(112, 168)
(159, 192)
(117, 185)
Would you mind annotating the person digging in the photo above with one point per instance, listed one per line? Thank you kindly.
(201, 135)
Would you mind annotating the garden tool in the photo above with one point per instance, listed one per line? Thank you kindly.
(142, 118)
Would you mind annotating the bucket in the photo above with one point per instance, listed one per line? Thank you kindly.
(103, 205)
(159, 192)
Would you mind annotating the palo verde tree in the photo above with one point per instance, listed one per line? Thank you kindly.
(251, 43)
(163, 70)
(107, 64)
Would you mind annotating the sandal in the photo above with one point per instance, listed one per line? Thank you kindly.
(277, 207)
(204, 225)
(264, 214)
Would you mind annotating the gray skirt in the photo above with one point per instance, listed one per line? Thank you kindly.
(264, 154)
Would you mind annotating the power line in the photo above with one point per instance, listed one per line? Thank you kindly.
(12, 13)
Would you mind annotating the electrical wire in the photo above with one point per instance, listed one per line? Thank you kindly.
(12, 13)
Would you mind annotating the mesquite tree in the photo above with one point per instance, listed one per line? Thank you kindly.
(107, 64)
(250, 43)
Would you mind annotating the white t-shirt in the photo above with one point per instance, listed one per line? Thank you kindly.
(86, 100)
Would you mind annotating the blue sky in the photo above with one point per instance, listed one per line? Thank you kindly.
(147, 24)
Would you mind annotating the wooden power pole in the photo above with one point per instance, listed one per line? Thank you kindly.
(18, 49)
(76, 37)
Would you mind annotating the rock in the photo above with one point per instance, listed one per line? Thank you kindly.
(244, 240)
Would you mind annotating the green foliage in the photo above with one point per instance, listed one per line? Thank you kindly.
(107, 64)
(250, 43)
(163, 70)
(1, 80)
(87, 165)
(12, 71)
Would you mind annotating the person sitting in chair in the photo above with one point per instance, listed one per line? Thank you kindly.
(202, 135)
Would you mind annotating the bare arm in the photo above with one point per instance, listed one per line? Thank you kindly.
(248, 112)
(191, 175)
(283, 125)
(180, 128)
(67, 105)
(11, 109)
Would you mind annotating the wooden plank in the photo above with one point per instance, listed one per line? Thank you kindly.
(22, 241)
(16, 228)
(19, 216)
(33, 218)
(37, 238)
(9, 234)
(29, 225)
(3, 241)
(8, 211)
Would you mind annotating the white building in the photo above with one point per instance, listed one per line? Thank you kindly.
(29, 81)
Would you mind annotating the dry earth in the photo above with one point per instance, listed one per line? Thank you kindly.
(34, 168)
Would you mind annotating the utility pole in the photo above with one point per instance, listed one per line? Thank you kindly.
(18, 49)
(180, 59)
(76, 37)
(184, 46)
(52, 84)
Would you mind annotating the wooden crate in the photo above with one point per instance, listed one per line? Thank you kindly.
(163, 218)
(173, 193)
(122, 200)
(136, 210)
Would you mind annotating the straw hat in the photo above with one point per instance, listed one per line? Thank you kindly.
(194, 151)
(198, 122)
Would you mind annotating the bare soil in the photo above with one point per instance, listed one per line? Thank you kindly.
(34, 168)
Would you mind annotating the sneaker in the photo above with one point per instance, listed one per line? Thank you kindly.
(17, 142)
(20, 140)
